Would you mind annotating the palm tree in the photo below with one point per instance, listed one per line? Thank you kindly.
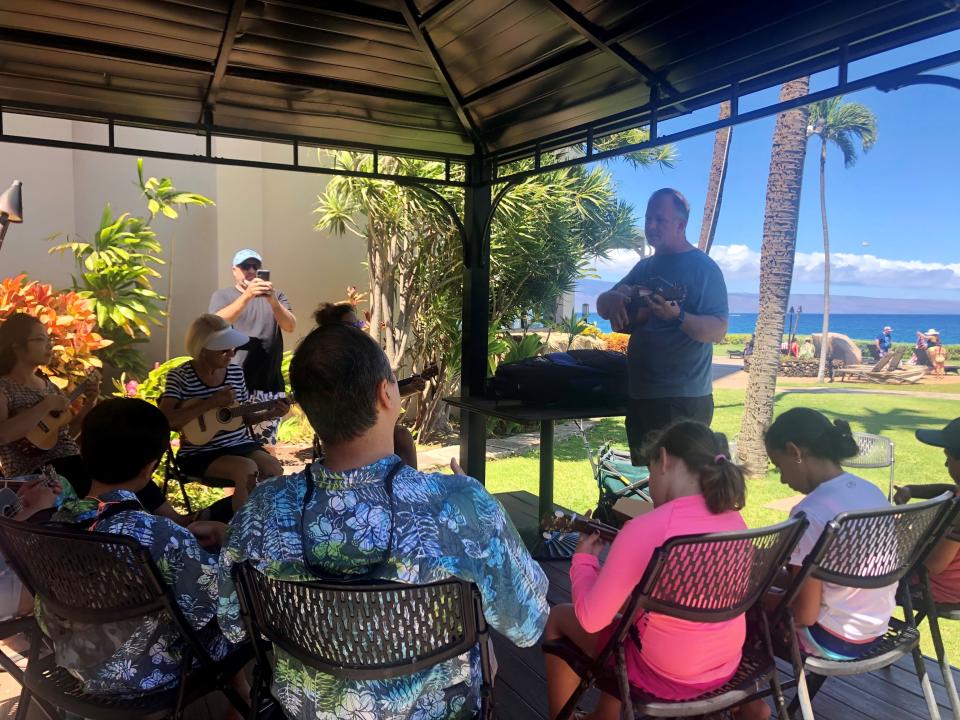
(718, 176)
(776, 273)
(842, 124)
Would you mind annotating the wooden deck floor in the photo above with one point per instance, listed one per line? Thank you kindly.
(520, 690)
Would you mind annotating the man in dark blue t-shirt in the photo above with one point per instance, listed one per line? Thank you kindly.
(884, 341)
(670, 354)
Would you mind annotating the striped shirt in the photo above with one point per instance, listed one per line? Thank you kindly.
(183, 383)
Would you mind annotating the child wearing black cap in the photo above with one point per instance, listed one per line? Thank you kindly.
(943, 564)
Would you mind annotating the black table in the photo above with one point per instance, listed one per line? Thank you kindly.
(546, 415)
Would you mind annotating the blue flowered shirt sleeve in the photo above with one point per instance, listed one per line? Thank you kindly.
(480, 544)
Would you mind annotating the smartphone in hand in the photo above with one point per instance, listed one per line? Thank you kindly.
(263, 275)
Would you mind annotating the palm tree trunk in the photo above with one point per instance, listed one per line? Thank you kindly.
(776, 274)
(825, 334)
(718, 176)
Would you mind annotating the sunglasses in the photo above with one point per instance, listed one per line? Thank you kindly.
(249, 266)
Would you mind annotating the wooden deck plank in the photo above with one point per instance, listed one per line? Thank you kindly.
(520, 690)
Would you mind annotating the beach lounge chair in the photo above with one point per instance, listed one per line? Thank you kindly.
(857, 372)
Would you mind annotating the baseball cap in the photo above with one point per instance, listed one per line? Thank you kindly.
(225, 339)
(887, 327)
(948, 437)
(242, 256)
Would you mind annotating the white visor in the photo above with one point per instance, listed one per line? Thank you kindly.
(225, 340)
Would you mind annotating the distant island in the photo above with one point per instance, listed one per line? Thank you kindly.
(587, 291)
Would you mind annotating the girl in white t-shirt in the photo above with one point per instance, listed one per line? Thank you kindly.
(833, 621)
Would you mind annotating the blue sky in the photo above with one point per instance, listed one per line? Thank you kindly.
(901, 197)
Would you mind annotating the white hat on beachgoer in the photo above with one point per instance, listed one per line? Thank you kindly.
(932, 331)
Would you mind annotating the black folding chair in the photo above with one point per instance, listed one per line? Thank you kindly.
(867, 549)
(700, 578)
(930, 610)
(26, 625)
(362, 631)
(97, 578)
(172, 471)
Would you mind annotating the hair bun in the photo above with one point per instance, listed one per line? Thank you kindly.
(844, 427)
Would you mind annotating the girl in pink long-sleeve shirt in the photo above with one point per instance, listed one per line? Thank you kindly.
(696, 488)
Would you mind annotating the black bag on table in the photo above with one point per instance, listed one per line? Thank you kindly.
(577, 377)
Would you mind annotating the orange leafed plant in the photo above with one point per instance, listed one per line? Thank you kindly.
(69, 319)
(616, 341)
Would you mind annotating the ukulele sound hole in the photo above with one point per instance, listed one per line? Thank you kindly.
(223, 415)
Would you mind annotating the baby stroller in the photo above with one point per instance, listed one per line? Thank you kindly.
(616, 478)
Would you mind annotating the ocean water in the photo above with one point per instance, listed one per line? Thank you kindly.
(858, 327)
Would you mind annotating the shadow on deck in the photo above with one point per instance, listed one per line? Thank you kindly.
(521, 693)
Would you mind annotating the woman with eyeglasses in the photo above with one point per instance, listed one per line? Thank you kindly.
(27, 396)
(207, 382)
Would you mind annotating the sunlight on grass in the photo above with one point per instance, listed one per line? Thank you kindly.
(896, 416)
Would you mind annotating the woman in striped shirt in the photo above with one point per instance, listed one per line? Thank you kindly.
(211, 381)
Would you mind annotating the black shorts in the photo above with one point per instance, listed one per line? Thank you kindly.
(646, 416)
(196, 464)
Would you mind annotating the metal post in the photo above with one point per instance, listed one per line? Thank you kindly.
(546, 469)
(476, 312)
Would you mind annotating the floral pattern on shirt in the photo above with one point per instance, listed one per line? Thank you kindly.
(131, 656)
(441, 526)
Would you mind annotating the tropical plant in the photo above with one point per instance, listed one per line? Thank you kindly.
(616, 341)
(151, 387)
(572, 326)
(842, 125)
(118, 266)
(716, 181)
(777, 254)
(526, 347)
(68, 318)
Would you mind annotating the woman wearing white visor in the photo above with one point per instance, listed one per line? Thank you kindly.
(207, 382)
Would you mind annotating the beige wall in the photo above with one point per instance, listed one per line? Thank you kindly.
(269, 210)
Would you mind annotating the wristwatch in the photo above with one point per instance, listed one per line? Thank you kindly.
(682, 316)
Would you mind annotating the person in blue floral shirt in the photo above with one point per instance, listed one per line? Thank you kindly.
(123, 441)
(335, 519)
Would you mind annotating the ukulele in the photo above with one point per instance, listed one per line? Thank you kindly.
(640, 297)
(202, 429)
(46, 434)
(565, 522)
(428, 373)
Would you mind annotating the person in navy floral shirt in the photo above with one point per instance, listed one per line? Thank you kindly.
(432, 527)
(123, 441)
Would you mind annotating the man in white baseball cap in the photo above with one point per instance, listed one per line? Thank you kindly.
(255, 308)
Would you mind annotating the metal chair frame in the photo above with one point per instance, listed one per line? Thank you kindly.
(757, 666)
(930, 610)
(143, 593)
(263, 601)
(912, 530)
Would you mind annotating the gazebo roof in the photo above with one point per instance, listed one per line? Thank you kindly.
(428, 77)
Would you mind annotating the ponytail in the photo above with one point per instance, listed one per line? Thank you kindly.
(814, 432)
(706, 453)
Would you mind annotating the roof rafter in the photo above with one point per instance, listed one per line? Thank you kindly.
(411, 15)
(624, 29)
(179, 62)
(600, 39)
(223, 56)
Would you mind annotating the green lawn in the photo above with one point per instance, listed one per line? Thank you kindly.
(892, 415)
